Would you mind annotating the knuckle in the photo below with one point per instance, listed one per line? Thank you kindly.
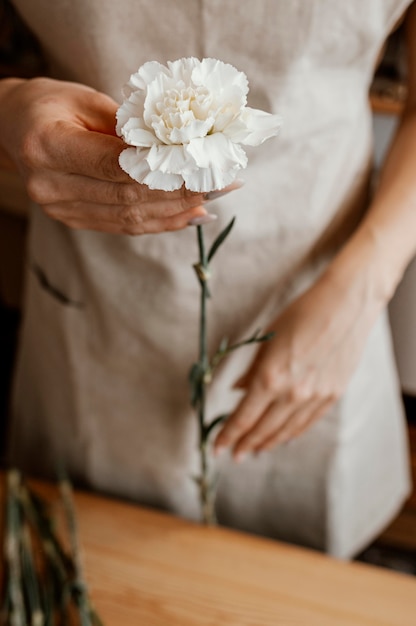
(127, 194)
(131, 218)
(29, 151)
(109, 167)
(37, 189)
(269, 380)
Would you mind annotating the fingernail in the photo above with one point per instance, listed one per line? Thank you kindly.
(203, 219)
(220, 451)
(240, 457)
(213, 195)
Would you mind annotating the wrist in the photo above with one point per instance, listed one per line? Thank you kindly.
(365, 267)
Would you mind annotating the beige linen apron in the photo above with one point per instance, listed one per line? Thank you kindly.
(102, 376)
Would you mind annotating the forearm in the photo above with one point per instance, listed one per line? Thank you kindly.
(376, 256)
(385, 242)
(6, 86)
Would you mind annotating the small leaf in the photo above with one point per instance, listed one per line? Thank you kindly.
(256, 338)
(218, 420)
(219, 240)
(196, 374)
(266, 337)
(193, 372)
(207, 377)
(202, 272)
(223, 345)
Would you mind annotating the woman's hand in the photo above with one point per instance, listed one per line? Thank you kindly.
(306, 366)
(319, 338)
(61, 138)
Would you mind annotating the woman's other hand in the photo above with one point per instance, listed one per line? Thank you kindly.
(305, 368)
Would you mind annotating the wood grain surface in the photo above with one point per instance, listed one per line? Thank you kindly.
(147, 568)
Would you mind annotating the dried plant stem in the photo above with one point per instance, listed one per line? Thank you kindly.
(43, 585)
(79, 587)
(12, 551)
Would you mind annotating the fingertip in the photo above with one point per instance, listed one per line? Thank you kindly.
(219, 193)
(219, 451)
(221, 443)
(200, 220)
(240, 457)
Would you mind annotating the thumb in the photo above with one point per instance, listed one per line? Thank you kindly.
(99, 114)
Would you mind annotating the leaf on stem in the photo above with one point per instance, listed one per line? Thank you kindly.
(220, 239)
(225, 349)
(218, 420)
(196, 378)
(203, 275)
(257, 339)
(223, 345)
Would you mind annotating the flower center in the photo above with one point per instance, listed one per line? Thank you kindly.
(184, 107)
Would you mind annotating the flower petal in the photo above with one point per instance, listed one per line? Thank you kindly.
(216, 75)
(135, 133)
(203, 179)
(134, 162)
(186, 122)
(217, 151)
(182, 69)
(143, 77)
(253, 127)
(165, 182)
(197, 128)
(170, 159)
(155, 94)
(132, 107)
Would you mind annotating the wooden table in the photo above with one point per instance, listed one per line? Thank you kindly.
(147, 568)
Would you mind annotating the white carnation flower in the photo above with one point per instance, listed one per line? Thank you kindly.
(185, 123)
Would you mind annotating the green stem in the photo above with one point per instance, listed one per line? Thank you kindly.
(203, 348)
(206, 489)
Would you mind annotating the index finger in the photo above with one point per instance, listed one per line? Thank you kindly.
(95, 155)
(87, 153)
(247, 413)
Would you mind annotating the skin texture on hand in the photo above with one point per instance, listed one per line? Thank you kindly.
(61, 138)
(299, 374)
